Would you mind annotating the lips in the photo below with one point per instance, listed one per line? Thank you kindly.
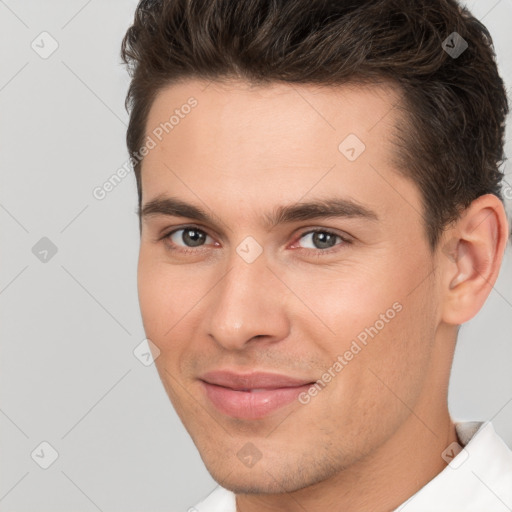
(251, 396)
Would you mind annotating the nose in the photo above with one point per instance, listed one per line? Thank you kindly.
(249, 305)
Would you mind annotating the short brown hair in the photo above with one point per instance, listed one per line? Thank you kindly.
(451, 140)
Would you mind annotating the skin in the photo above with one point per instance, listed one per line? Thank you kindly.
(374, 435)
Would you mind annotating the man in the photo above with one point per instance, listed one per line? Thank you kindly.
(320, 210)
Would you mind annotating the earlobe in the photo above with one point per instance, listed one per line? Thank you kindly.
(472, 257)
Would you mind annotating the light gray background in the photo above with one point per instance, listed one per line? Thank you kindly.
(70, 325)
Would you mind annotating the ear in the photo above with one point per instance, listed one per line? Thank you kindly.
(470, 258)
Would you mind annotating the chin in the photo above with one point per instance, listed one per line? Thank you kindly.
(260, 479)
(252, 484)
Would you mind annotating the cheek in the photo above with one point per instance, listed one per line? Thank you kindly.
(153, 299)
(160, 305)
(381, 330)
(164, 299)
(395, 361)
(343, 302)
(365, 399)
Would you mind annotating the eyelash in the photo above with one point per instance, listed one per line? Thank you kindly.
(314, 252)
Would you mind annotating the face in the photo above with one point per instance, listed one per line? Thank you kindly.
(336, 301)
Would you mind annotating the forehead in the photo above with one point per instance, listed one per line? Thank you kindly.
(272, 144)
(237, 120)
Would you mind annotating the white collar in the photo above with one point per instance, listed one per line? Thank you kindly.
(478, 479)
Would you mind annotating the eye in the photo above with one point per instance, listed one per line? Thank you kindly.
(186, 239)
(322, 240)
(191, 239)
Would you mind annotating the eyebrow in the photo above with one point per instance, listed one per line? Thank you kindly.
(321, 208)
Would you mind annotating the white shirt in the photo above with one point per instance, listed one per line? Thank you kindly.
(478, 479)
